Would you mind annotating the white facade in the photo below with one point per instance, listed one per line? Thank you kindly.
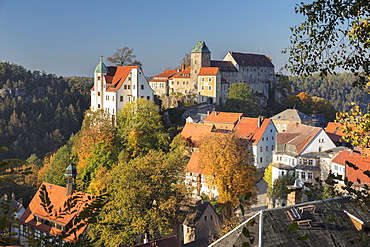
(319, 143)
(262, 151)
(116, 86)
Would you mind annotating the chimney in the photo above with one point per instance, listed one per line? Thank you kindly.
(182, 67)
(70, 174)
(295, 196)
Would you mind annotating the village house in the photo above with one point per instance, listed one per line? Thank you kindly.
(284, 118)
(202, 223)
(116, 86)
(50, 224)
(297, 149)
(254, 69)
(160, 83)
(223, 120)
(261, 136)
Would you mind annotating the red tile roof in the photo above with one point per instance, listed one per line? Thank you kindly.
(341, 157)
(182, 74)
(223, 117)
(117, 75)
(193, 164)
(299, 135)
(164, 75)
(363, 164)
(247, 128)
(57, 195)
(195, 131)
(208, 71)
(334, 128)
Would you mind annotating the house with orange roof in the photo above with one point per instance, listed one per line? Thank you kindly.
(209, 85)
(52, 223)
(160, 83)
(334, 131)
(223, 120)
(116, 86)
(298, 149)
(261, 134)
(193, 132)
(356, 174)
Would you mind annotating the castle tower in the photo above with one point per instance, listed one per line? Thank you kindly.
(97, 99)
(200, 57)
(71, 174)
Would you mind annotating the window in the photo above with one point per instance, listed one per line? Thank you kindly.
(98, 78)
(107, 97)
(261, 160)
(178, 83)
(129, 78)
(272, 147)
(211, 216)
(309, 175)
(202, 78)
(128, 86)
(205, 218)
(267, 138)
(133, 87)
(303, 175)
(209, 88)
(335, 167)
(261, 149)
(112, 98)
(209, 79)
(272, 138)
(310, 162)
(121, 98)
(271, 130)
(98, 93)
(263, 138)
(148, 97)
(98, 106)
(124, 86)
(267, 148)
(202, 88)
(142, 87)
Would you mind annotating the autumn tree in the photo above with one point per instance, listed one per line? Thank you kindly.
(335, 34)
(228, 163)
(124, 57)
(242, 99)
(186, 60)
(140, 128)
(145, 196)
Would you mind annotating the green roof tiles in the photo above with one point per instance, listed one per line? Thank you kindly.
(101, 68)
(201, 47)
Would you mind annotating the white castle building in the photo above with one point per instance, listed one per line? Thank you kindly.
(116, 86)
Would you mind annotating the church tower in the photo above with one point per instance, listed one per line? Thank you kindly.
(71, 173)
(200, 57)
(97, 98)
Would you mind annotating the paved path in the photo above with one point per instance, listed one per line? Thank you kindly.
(261, 198)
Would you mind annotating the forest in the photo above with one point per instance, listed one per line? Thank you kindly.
(39, 111)
(337, 89)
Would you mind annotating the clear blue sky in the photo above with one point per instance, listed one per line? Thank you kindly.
(68, 37)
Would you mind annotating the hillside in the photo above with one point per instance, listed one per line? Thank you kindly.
(39, 111)
(337, 89)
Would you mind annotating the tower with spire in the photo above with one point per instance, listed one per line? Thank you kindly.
(200, 57)
(71, 173)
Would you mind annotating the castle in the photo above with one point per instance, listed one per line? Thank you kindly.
(116, 86)
(210, 79)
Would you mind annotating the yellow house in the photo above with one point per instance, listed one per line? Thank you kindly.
(209, 85)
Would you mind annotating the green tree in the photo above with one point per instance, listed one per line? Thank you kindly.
(242, 99)
(335, 34)
(58, 165)
(279, 188)
(140, 128)
(124, 57)
(145, 197)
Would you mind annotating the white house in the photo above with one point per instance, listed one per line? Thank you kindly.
(298, 149)
(116, 86)
(261, 134)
